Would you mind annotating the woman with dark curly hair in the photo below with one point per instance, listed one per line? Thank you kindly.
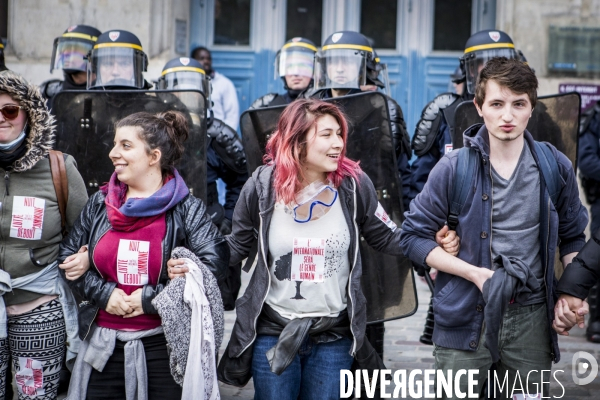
(131, 227)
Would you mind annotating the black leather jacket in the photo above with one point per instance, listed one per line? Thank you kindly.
(188, 225)
(584, 271)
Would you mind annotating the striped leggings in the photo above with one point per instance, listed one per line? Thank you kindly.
(36, 344)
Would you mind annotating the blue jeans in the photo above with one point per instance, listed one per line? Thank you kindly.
(314, 373)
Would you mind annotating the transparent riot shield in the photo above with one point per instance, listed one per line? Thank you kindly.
(85, 130)
(388, 281)
(257, 126)
(555, 119)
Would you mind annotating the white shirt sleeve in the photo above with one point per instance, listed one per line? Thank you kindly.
(225, 101)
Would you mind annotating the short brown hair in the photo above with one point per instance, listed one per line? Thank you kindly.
(510, 73)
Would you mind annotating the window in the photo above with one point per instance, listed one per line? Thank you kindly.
(304, 18)
(452, 24)
(574, 50)
(378, 22)
(232, 22)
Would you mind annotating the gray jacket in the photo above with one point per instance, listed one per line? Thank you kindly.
(251, 221)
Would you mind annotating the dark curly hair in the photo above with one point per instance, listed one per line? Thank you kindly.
(165, 131)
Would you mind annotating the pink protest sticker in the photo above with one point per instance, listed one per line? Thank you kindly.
(384, 217)
(27, 218)
(30, 378)
(132, 262)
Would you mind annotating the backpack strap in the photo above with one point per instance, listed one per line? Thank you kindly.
(61, 185)
(463, 181)
(549, 169)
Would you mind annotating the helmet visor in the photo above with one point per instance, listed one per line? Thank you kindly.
(70, 53)
(295, 63)
(385, 79)
(186, 80)
(116, 66)
(474, 62)
(340, 69)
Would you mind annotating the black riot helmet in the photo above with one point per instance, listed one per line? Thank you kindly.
(481, 47)
(2, 64)
(117, 60)
(72, 47)
(342, 61)
(296, 57)
(184, 73)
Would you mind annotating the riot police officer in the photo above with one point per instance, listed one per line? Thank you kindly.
(224, 154)
(2, 64)
(347, 65)
(433, 135)
(294, 65)
(68, 54)
(117, 61)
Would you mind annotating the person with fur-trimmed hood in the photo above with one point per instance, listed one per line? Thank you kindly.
(36, 304)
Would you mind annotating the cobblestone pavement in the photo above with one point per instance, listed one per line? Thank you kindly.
(404, 351)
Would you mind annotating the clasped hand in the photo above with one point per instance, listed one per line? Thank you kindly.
(125, 305)
(568, 312)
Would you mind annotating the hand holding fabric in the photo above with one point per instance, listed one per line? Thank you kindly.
(176, 268)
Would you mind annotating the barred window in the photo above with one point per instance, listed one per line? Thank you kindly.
(232, 22)
(452, 24)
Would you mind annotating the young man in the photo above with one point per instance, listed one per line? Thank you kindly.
(509, 228)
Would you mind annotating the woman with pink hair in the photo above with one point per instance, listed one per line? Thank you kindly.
(302, 318)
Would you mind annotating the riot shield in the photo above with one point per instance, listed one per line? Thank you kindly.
(465, 115)
(257, 126)
(85, 130)
(388, 281)
(555, 119)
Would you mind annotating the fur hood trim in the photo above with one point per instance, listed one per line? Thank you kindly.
(40, 123)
